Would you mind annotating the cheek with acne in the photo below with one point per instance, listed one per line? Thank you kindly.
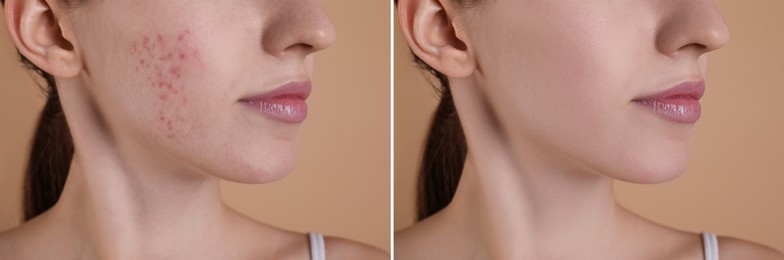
(164, 61)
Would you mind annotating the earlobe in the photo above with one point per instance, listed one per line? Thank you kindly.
(432, 36)
(39, 37)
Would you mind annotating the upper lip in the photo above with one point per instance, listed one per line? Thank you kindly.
(688, 89)
(293, 89)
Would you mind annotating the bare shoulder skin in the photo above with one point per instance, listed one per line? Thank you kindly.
(249, 239)
(340, 248)
(429, 240)
(731, 248)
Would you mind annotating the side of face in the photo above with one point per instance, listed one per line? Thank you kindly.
(561, 77)
(167, 78)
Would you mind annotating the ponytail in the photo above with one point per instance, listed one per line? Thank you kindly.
(50, 156)
(444, 155)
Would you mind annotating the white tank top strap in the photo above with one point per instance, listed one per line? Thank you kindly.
(317, 251)
(710, 246)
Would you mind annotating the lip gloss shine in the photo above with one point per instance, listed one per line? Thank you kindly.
(285, 103)
(680, 103)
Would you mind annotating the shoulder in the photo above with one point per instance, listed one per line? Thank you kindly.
(405, 241)
(12, 241)
(430, 238)
(252, 239)
(408, 240)
(733, 248)
(341, 248)
(8, 245)
(295, 245)
(435, 237)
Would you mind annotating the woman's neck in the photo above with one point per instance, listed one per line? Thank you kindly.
(533, 215)
(118, 213)
(517, 201)
(120, 206)
(121, 201)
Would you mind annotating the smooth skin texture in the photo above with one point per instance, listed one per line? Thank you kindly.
(544, 92)
(150, 90)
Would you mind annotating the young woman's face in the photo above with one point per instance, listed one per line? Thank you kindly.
(216, 87)
(581, 80)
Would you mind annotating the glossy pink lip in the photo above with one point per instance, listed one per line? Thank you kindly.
(680, 103)
(285, 103)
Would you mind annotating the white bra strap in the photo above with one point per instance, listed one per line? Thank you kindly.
(317, 251)
(710, 246)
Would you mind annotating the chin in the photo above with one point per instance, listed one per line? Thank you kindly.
(653, 170)
(259, 174)
(259, 168)
(264, 172)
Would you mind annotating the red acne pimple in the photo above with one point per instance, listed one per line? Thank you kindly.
(166, 57)
(175, 72)
(182, 35)
(163, 96)
(146, 43)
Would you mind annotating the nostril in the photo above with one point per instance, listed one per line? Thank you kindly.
(698, 46)
(301, 47)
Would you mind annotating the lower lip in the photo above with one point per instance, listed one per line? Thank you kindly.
(681, 110)
(289, 109)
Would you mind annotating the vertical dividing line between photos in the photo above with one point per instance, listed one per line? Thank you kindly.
(391, 129)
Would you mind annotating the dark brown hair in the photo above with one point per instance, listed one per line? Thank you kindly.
(51, 153)
(445, 147)
(445, 152)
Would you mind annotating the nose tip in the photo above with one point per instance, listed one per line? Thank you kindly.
(694, 25)
(323, 36)
(299, 27)
(711, 31)
(718, 36)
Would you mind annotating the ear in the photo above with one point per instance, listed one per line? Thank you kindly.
(433, 37)
(39, 37)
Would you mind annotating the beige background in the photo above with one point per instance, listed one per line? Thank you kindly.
(340, 185)
(734, 184)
